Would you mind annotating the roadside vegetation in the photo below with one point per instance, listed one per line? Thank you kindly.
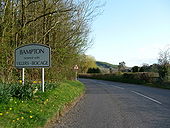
(24, 108)
(148, 79)
(155, 75)
(64, 26)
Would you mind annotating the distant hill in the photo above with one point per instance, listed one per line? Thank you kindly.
(105, 65)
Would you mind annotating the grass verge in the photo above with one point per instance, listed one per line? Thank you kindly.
(42, 108)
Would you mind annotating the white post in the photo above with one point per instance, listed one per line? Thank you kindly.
(76, 70)
(76, 74)
(23, 70)
(43, 79)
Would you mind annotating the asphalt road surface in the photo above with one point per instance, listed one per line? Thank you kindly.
(119, 105)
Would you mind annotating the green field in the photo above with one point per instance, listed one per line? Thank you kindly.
(105, 65)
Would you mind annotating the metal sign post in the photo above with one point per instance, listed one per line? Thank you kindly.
(23, 75)
(76, 74)
(76, 69)
(43, 79)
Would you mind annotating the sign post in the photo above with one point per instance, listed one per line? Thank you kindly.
(76, 69)
(23, 70)
(33, 56)
(43, 79)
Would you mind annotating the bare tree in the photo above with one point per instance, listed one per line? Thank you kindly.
(163, 63)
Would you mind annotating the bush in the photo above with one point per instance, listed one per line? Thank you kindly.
(5, 94)
(145, 77)
(25, 91)
(135, 69)
(128, 76)
(93, 70)
(9, 91)
(136, 78)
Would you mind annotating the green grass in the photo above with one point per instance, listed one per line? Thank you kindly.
(42, 108)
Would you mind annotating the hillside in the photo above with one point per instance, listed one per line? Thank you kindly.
(105, 65)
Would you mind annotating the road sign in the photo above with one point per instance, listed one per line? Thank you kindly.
(76, 67)
(33, 56)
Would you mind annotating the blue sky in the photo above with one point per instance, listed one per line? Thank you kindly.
(133, 31)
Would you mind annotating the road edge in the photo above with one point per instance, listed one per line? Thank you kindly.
(67, 107)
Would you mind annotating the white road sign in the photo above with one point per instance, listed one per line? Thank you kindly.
(32, 56)
(76, 67)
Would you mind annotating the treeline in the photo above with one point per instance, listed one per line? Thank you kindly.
(64, 25)
(144, 78)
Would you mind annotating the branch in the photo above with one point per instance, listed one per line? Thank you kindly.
(48, 31)
(50, 13)
(32, 2)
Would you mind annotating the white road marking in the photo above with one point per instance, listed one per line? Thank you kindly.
(147, 97)
(101, 83)
(118, 87)
(112, 85)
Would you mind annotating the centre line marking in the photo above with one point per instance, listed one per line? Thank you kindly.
(118, 87)
(147, 97)
(112, 85)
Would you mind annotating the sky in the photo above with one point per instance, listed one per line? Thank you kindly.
(133, 31)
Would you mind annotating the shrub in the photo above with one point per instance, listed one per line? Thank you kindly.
(136, 78)
(145, 77)
(5, 94)
(9, 91)
(25, 91)
(93, 70)
(135, 69)
(128, 76)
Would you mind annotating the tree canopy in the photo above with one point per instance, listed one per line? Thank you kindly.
(64, 25)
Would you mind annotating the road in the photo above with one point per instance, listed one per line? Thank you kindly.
(119, 105)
